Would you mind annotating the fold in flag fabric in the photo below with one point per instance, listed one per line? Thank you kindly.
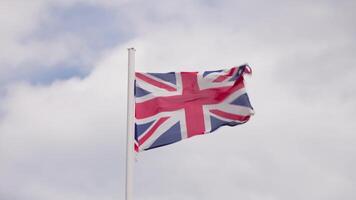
(177, 105)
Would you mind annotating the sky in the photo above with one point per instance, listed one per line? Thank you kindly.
(63, 80)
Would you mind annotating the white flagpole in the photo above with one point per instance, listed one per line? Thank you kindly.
(130, 154)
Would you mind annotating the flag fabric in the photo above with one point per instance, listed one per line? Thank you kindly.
(173, 106)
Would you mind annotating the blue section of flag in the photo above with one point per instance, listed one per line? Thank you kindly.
(238, 74)
(141, 128)
(242, 100)
(209, 72)
(235, 77)
(169, 77)
(216, 123)
(139, 92)
(170, 136)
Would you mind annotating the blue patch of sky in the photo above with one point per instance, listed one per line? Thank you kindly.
(43, 75)
(61, 71)
(100, 29)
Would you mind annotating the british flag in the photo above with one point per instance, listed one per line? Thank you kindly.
(177, 105)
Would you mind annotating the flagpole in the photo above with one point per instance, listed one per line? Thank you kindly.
(130, 125)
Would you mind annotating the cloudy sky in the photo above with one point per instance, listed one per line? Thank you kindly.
(63, 66)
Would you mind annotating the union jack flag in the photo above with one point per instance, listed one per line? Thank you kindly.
(177, 105)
